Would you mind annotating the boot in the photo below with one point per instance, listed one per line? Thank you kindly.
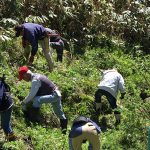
(117, 116)
(63, 125)
(34, 114)
(11, 137)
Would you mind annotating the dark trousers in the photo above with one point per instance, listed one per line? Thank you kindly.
(59, 46)
(112, 101)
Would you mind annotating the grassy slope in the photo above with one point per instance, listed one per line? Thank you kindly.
(78, 81)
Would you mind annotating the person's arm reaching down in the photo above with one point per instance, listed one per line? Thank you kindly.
(34, 89)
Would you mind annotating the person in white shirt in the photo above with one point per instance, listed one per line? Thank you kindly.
(42, 91)
(112, 82)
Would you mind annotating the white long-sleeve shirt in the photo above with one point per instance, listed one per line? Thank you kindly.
(35, 85)
(112, 82)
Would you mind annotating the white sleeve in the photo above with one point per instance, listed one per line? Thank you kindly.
(34, 89)
(121, 84)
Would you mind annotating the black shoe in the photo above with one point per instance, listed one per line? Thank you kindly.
(63, 124)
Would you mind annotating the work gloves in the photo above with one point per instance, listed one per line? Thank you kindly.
(122, 95)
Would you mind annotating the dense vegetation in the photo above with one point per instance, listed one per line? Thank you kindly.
(99, 35)
(82, 22)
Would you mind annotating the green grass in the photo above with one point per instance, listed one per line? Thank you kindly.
(77, 79)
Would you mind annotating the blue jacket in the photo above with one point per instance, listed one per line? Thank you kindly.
(32, 33)
(6, 102)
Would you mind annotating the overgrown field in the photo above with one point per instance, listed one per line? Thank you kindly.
(77, 78)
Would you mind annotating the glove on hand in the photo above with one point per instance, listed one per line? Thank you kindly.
(122, 95)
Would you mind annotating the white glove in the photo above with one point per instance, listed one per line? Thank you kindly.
(58, 93)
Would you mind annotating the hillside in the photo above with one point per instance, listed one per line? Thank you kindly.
(98, 34)
(77, 78)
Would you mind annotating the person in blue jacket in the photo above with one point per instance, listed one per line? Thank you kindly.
(84, 129)
(6, 104)
(32, 34)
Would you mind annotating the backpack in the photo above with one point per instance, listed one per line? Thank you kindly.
(3, 89)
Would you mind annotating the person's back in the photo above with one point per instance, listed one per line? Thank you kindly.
(32, 30)
(84, 129)
(112, 81)
(47, 86)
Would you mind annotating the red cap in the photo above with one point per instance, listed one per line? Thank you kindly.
(22, 71)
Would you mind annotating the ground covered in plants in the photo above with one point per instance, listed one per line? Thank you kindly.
(77, 78)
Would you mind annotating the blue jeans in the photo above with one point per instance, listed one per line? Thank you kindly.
(54, 99)
(5, 121)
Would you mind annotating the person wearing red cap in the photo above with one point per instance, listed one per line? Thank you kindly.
(42, 91)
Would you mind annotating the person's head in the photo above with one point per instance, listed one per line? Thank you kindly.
(19, 30)
(24, 73)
